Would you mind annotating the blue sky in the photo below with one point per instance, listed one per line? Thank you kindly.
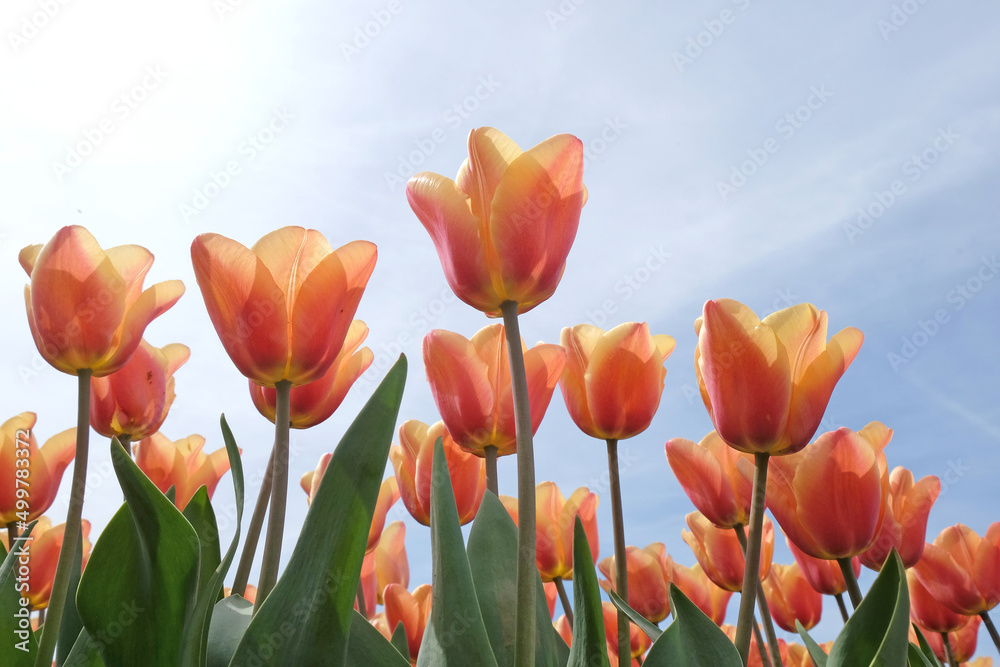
(844, 155)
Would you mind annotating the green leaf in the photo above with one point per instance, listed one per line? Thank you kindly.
(85, 652)
(306, 620)
(925, 648)
(72, 624)
(201, 517)
(692, 639)
(651, 629)
(138, 590)
(367, 646)
(589, 647)
(13, 631)
(454, 635)
(562, 649)
(230, 619)
(400, 642)
(877, 632)
(817, 654)
(918, 659)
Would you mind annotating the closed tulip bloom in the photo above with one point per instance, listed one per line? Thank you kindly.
(43, 467)
(649, 571)
(962, 570)
(368, 583)
(565, 630)
(181, 464)
(381, 624)
(791, 598)
(551, 595)
(695, 584)
(135, 399)
(313, 403)
(719, 553)
(962, 641)
(470, 382)
(640, 642)
(927, 612)
(283, 307)
(830, 498)
(412, 459)
(798, 656)
(766, 383)
(905, 525)
(412, 610)
(613, 380)
(504, 227)
(46, 542)
(823, 575)
(708, 473)
(755, 659)
(391, 564)
(86, 305)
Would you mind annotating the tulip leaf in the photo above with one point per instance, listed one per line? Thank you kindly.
(918, 659)
(692, 639)
(454, 635)
(925, 648)
(589, 647)
(85, 652)
(72, 624)
(201, 517)
(817, 654)
(367, 646)
(12, 651)
(876, 634)
(138, 590)
(562, 649)
(230, 619)
(492, 555)
(400, 641)
(651, 629)
(306, 620)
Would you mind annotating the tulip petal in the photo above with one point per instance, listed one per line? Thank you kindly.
(459, 382)
(490, 154)
(290, 255)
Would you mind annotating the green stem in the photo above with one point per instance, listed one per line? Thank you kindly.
(621, 555)
(527, 572)
(491, 469)
(11, 534)
(362, 607)
(125, 440)
(41, 617)
(843, 607)
(279, 494)
(71, 534)
(761, 646)
(765, 610)
(564, 599)
(988, 622)
(253, 530)
(750, 572)
(949, 657)
(852, 582)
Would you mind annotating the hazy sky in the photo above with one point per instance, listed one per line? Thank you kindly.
(843, 154)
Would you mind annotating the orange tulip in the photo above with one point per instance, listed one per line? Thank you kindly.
(927, 612)
(640, 643)
(470, 381)
(283, 307)
(388, 494)
(709, 476)
(43, 468)
(695, 584)
(979, 662)
(962, 640)
(719, 553)
(755, 659)
(649, 571)
(504, 227)
(766, 383)
(391, 565)
(381, 624)
(313, 403)
(798, 656)
(46, 541)
(905, 525)
(613, 380)
(551, 595)
(412, 610)
(823, 575)
(791, 598)
(181, 464)
(563, 627)
(830, 498)
(962, 570)
(368, 583)
(86, 306)
(134, 400)
(412, 459)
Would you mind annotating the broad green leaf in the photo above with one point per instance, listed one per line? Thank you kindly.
(85, 652)
(454, 635)
(400, 642)
(692, 639)
(309, 611)
(876, 634)
(918, 659)
(138, 590)
(72, 624)
(230, 619)
(589, 647)
(15, 627)
(199, 514)
(651, 629)
(925, 648)
(367, 646)
(817, 654)
(562, 649)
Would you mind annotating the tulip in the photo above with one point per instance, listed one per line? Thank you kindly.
(791, 598)
(412, 610)
(43, 468)
(367, 587)
(979, 662)
(381, 624)
(928, 613)
(709, 476)
(961, 642)
(46, 542)
(649, 569)
(181, 464)
(719, 552)
(695, 584)
(411, 460)
(758, 653)
(962, 570)
(639, 643)
(798, 656)
(823, 575)
(565, 629)
(905, 524)
(551, 595)
(313, 403)
(391, 565)
(132, 402)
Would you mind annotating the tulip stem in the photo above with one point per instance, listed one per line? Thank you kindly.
(988, 622)
(761, 647)
(527, 572)
(41, 617)
(852, 582)
(949, 657)
(491, 469)
(362, 607)
(752, 559)
(279, 494)
(765, 611)
(843, 607)
(253, 530)
(71, 534)
(125, 440)
(11, 534)
(564, 599)
(621, 557)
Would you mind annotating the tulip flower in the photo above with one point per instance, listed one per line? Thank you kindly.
(695, 584)
(313, 403)
(961, 641)
(47, 541)
(391, 565)
(412, 610)
(708, 473)
(962, 570)
(132, 402)
(565, 629)
(551, 595)
(791, 598)
(367, 587)
(649, 569)
(412, 458)
(798, 656)
(758, 655)
(719, 552)
(823, 575)
(181, 464)
(905, 525)
(639, 642)
(927, 612)
(381, 624)
(43, 467)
